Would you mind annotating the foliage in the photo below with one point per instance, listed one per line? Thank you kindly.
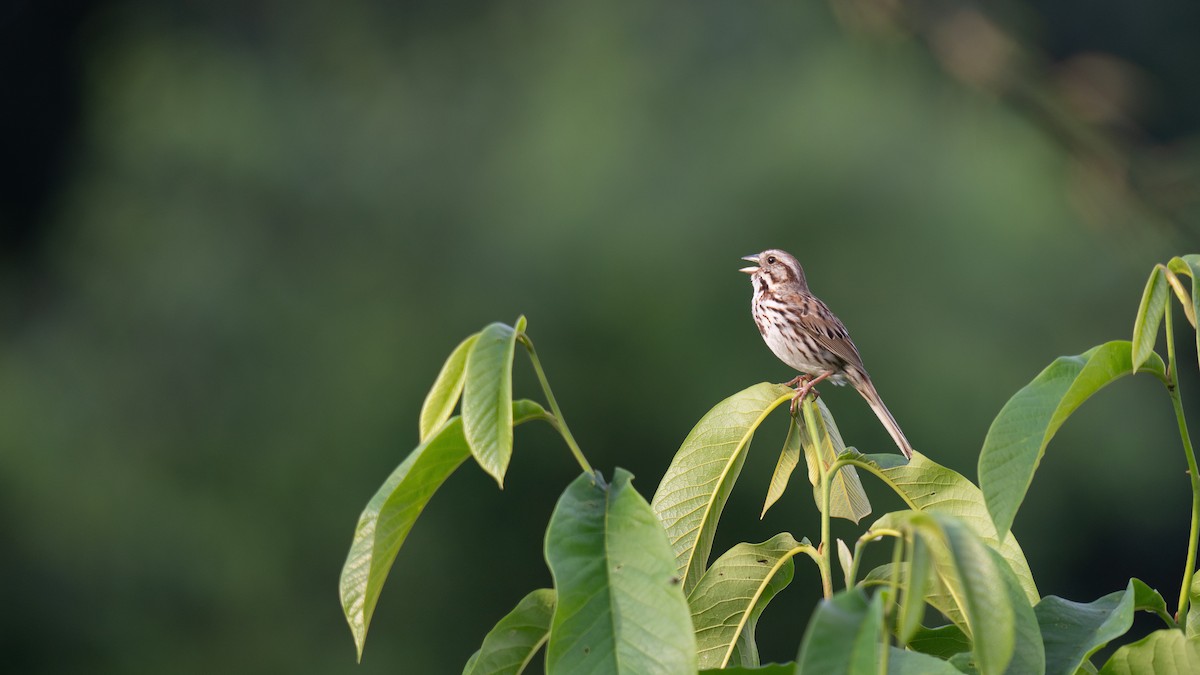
(634, 591)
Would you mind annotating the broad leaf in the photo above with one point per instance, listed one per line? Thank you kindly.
(511, 645)
(1018, 436)
(847, 499)
(443, 396)
(1149, 316)
(902, 662)
(844, 636)
(487, 398)
(928, 486)
(620, 606)
(942, 642)
(1073, 631)
(391, 513)
(732, 594)
(768, 669)
(1163, 652)
(977, 579)
(693, 492)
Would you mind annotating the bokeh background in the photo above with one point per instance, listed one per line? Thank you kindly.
(240, 237)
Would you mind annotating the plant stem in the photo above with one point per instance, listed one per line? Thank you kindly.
(1193, 474)
(826, 482)
(559, 421)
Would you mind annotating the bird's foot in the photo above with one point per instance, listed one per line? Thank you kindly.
(808, 382)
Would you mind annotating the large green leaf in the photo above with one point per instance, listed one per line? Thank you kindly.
(767, 669)
(1163, 652)
(1149, 316)
(391, 513)
(621, 609)
(1073, 631)
(732, 594)
(926, 485)
(1018, 436)
(844, 636)
(1192, 622)
(693, 492)
(487, 398)
(943, 641)
(901, 662)
(511, 645)
(980, 584)
(443, 396)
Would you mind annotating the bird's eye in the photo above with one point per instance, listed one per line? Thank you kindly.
(770, 260)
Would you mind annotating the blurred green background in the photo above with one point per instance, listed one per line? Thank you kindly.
(240, 237)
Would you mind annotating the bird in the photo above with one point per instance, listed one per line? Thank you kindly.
(802, 332)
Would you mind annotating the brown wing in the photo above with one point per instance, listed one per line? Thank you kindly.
(817, 319)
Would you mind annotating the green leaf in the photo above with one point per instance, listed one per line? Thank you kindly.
(847, 499)
(1192, 623)
(912, 604)
(1073, 631)
(1018, 436)
(693, 492)
(901, 662)
(845, 635)
(846, 560)
(980, 584)
(1190, 266)
(942, 642)
(1149, 316)
(1163, 652)
(621, 609)
(789, 458)
(511, 645)
(1146, 599)
(928, 486)
(487, 399)
(391, 513)
(767, 669)
(443, 396)
(733, 593)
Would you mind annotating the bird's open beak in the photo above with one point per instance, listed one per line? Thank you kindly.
(750, 270)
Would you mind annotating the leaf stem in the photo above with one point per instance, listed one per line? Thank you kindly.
(826, 482)
(1193, 474)
(558, 421)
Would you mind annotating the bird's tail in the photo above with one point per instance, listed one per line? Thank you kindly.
(862, 383)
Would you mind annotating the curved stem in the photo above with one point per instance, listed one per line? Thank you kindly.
(866, 538)
(1177, 403)
(559, 422)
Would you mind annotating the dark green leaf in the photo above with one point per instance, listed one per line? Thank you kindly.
(443, 396)
(487, 399)
(1018, 437)
(901, 662)
(1073, 631)
(393, 510)
(511, 645)
(692, 494)
(620, 608)
(844, 636)
(942, 642)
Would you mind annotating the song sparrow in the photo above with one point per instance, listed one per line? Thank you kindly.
(804, 334)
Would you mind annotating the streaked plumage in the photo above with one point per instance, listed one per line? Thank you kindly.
(805, 334)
